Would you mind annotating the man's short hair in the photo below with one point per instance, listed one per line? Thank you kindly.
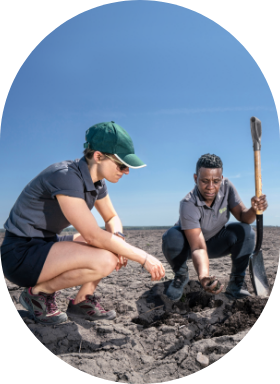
(208, 161)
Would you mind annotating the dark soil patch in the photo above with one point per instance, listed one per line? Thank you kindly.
(238, 316)
(170, 319)
(242, 314)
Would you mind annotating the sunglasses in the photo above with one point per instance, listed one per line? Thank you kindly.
(120, 165)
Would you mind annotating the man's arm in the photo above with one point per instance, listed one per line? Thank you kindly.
(199, 251)
(200, 259)
(248, 216)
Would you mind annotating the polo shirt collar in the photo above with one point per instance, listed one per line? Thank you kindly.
(90, 185)
(199, 199)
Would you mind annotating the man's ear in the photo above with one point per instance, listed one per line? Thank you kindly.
(195, 178)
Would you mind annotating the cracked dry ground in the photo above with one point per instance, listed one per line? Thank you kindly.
(152, 340)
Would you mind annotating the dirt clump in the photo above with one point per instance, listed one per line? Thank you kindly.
(241, 315)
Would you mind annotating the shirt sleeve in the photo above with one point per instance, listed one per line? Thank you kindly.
(189, 215)
(233, 196)
(64, 182)
(103, 191)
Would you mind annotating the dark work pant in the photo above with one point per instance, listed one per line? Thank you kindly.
(235, 239)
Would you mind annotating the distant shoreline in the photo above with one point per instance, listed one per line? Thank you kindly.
(126, 228)
(142, 228)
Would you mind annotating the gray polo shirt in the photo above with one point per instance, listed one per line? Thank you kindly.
(194, 213)
(36, 212)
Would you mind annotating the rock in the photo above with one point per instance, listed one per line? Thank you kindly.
(167, 329)
(169, 275)
(202, 360)
(188, 332)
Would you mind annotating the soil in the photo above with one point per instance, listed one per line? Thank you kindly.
(159, 341)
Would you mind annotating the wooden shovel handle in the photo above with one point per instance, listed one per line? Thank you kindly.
(258, 176)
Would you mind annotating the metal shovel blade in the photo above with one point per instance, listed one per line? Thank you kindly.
(258, 275)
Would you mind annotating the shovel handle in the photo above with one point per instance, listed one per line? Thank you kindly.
(258, 176)
(256, 132)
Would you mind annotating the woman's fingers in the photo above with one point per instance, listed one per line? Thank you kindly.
(155, 268)
(158, 272)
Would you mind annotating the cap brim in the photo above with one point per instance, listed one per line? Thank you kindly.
(130, 160)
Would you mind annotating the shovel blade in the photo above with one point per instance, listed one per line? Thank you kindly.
(258, 274)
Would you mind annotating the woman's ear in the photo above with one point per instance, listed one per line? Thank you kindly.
(195, 178)
(97, 156)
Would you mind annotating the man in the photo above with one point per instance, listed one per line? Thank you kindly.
(202, 233)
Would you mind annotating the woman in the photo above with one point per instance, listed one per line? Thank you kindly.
(32, 254)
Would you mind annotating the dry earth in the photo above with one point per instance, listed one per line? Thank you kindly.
(158, 341)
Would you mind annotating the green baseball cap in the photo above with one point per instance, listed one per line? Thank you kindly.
(112, 138)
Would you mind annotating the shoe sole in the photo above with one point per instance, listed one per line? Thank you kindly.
(25, 305)
(91, 318)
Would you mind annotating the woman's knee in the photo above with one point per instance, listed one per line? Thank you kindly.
(107, 262)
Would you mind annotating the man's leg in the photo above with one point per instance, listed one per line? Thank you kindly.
(237, 239)
(176, 250)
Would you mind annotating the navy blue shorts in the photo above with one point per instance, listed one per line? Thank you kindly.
(23, 258)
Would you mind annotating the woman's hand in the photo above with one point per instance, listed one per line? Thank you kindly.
(154, 267)
(122, 262)
(211, 285)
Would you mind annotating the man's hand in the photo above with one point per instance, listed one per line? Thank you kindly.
(259, 203)
(211, 285)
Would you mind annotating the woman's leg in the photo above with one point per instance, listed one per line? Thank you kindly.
(87, 287)
(69, 264)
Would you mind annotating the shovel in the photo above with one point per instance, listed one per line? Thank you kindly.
(256, 264)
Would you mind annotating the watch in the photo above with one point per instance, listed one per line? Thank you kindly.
(119, 234)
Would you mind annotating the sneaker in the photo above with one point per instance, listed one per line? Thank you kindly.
(237, 288)
(176, 287)
(42, 307)
(89, 309)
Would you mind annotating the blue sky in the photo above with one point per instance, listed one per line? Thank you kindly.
(180, 85)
